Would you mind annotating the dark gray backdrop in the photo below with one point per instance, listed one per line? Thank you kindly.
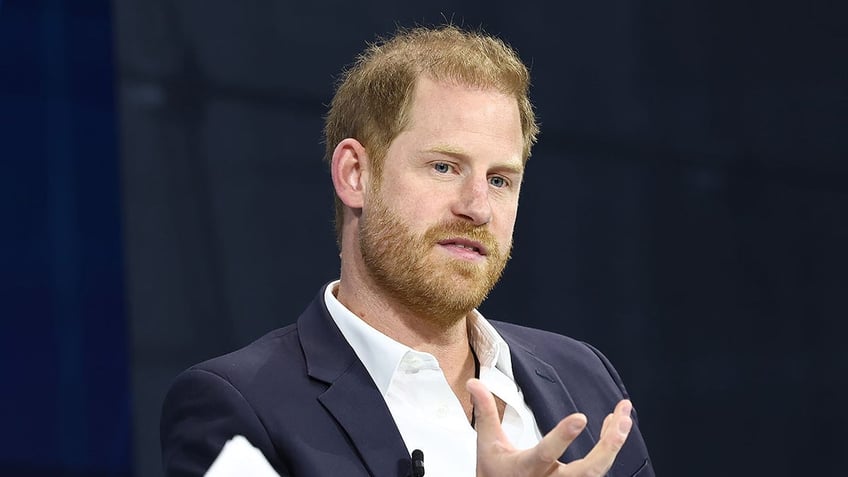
(685, 208)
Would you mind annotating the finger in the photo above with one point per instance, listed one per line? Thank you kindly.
(613, 434)
(551, 447)
(486, 418)
(621, 426)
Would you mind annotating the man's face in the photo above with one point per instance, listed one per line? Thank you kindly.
(436, 228)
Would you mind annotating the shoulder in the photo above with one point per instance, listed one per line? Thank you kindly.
(279, 348)
(242, 377)
(211, 402)
(245, 382)
(560, 351)
(544, 344)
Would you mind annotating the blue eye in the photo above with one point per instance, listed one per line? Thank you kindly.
(497, 181)
(442, 167)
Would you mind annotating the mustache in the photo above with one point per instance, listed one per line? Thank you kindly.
(450, 229)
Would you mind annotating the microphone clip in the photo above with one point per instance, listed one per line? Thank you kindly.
(417, 463)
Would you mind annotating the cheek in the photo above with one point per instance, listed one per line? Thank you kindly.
(422, 206)
(416, 213)
(505, 227)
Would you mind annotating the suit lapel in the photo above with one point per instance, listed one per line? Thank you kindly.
(360, 409)
(351, 397)
(547, 395)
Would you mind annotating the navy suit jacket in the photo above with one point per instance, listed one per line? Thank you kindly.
(305, 400)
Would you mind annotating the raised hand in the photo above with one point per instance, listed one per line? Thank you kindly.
(496, 457)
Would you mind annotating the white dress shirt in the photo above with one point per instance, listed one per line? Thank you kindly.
(425, 409)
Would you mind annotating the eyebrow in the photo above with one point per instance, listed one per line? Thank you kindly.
(459, 153)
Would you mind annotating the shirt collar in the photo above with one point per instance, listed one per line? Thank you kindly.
(379, 354)
(382, 355)
(491, 349)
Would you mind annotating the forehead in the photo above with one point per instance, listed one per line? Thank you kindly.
(434, 96)
(449, 115)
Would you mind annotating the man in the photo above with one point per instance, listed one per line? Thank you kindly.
(427, 138)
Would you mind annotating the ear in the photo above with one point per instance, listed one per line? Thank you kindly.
(349, 170)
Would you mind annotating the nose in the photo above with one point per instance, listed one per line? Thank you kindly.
(473, 201)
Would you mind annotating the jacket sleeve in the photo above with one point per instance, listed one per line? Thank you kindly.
(201, 412)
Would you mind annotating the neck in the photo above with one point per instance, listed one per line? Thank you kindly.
(445, 338)
(448, 344)
(393, 319)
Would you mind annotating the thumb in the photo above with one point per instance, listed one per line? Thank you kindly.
(486, 417)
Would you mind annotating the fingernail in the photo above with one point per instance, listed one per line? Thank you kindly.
(575, 427)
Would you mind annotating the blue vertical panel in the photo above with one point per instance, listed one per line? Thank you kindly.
(65, 398)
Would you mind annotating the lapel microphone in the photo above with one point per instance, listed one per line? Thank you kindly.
(417, 463)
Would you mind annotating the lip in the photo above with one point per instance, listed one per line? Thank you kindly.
(471, 245)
